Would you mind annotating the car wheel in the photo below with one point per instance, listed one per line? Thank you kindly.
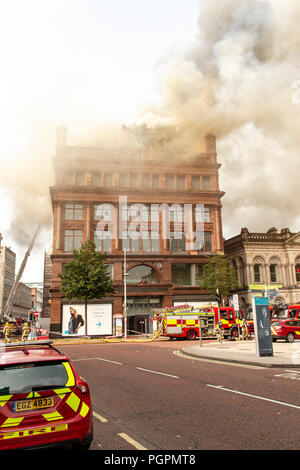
(234, 333)
(191, 334)
(290, 338)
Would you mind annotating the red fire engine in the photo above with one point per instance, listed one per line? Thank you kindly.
(183, 321)
(277, 312)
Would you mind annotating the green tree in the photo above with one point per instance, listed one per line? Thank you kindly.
(86, 277)
(219, 275)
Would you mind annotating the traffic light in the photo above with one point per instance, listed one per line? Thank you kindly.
(218, 297)
(30, 315)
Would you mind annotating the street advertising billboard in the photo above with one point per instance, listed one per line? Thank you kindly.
(73, 320)
(262, 326)
(99, 319)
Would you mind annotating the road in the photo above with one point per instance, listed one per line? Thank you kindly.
(148, 396)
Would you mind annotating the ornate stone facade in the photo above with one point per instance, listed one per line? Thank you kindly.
(271, 258)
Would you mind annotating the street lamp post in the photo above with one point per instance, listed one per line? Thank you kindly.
(125, 296)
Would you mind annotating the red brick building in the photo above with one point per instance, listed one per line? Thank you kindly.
(95, 187)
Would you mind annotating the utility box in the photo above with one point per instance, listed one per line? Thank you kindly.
(262, 326)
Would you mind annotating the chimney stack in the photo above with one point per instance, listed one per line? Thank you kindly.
(61, 137)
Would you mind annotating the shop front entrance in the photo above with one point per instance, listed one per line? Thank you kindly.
(140, 312)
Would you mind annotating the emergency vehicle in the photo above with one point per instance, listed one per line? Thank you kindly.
(43, 400)
(283, 311)
(183, 321)
(277, 313)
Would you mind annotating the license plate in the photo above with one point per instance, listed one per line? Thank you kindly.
(29, 405)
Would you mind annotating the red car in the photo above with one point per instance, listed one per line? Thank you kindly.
(287, 329)
(43, 401)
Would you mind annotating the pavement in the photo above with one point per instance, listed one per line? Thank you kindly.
(244, 352)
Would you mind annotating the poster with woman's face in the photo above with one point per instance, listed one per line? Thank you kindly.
(73, 320)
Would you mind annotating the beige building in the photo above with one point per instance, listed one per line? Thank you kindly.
(22, 301)
(271, 258)
(7, 273)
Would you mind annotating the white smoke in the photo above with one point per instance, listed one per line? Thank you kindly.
(239, 81)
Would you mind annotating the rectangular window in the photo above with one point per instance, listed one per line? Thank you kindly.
(146, 181)
(102, 240)
(110, 270)
(68, 178)
(177, 241)
(133, 180)
(155, 181)
(273, 274)
(150, 241)
(199, 273)
(170, 182)
(130, 244)
(206, 182)
(257, 277)
(80, 178)
(73, 239)
(108, 180)
(73, 211)
(96, 179)
(123, 180)
(202, 214)
(102, 212)
(181, 274)
(195, 182)
(180, 182)
(207, 241)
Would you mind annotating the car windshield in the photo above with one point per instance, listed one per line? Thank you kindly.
(25, 378)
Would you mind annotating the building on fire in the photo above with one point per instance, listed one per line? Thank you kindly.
(152, 206)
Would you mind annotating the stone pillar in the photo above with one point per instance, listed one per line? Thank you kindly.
(58, 245)
(283, 275)
(88, 223)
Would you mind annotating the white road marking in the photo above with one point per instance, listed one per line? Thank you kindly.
(215, 361)
(107, 360)
(220, 387)
(155, 372)
(131, 441)
(98, 359)
(101, 418)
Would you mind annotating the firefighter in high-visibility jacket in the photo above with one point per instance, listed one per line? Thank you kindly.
(219, 331)
(6, 332)
(25, 332)
(244, 329)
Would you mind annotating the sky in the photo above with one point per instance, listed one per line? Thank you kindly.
(229, 67)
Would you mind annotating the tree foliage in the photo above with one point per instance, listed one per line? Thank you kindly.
(86, 276)
(219, 275)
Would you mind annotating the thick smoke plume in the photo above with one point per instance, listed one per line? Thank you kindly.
(239, 81)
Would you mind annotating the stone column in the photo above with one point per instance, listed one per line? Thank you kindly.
(58, 228)
(88, 222)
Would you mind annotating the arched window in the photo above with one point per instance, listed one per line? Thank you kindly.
(259, 268)
(142, 273)
(257, 272)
